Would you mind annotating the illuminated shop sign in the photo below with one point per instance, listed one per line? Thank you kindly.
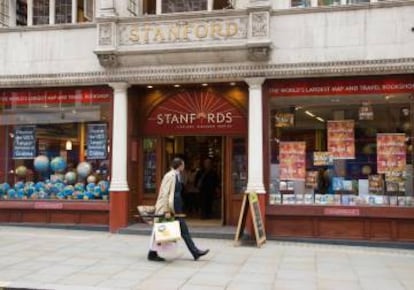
(195, 112)
(341, 86)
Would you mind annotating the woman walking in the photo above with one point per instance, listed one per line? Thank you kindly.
(169, 202)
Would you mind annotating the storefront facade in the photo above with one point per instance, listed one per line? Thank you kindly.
(261, 89)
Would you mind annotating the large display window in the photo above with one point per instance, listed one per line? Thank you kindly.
(342, 142)
(55, 144)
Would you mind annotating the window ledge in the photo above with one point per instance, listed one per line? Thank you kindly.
(66, 26)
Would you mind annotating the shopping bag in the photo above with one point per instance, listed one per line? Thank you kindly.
(168, 231)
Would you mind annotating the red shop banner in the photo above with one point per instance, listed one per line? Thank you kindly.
(342, 86)
(341, 139)
(196, 112)
(391, 152)
(55, 96)
(292, 156)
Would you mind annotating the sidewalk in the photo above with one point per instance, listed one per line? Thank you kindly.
(72, 259)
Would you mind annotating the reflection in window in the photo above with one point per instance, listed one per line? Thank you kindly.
(40, 12)
(329, 2)
(171, 6)
(301, 3)
(239, 166)
(150, 162)
(63, 11)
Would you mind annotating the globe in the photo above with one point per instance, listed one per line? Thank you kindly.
(104, 185)
(19, 185)
(21, 171)
(11, 193)
(68, 190)
(20, 193)
(58, 164)
(97, 191)
(58, 177)
(91, 179)
(80, 187)
(70, 177)
(90, 187)
(4, 187)
(84, 169)
(40, 186)
(41, 163)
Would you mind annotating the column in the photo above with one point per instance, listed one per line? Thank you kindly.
(343, 2)
(29, 12)
(119, 190)
(158, 7)
(314, 3)
(74, 11)
(210, 4)
(12, 13)
(255, 139)
(52, 11)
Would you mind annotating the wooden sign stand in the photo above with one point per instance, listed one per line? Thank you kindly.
(259, 230)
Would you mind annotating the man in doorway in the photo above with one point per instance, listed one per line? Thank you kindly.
(207, 182)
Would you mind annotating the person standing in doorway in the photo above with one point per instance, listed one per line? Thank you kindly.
(207, 182)
(169, 202)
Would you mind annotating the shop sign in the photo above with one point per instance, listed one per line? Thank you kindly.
(48, 205)
(341, 211)
(55, 96)
(341, 139)
(292, 156)
(97, 141)
(196, 112)
(24, 142)
(183, 31)
(341, 86)
(391, 152)
(366, 112)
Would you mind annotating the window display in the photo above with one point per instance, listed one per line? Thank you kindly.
(56, 144)
(351, 156)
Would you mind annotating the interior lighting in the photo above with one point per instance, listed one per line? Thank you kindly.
(204, 85)
(232, 84)
(68, 145)
(149, 87)
(320, 119)
(177, 86)
(309, 113)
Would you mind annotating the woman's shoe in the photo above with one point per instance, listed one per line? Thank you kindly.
(197, 254)
(153, 256)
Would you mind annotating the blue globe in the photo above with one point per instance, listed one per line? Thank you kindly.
(79, 187)
(84, 169)
(70, 177)
(104, 185)
(58, 164)
(90, 187)
(41, 163)
(68, 190)
(11, 193)
(4, 187)
(20, 193)
(97, 191)
(19, 185)
(40, 185)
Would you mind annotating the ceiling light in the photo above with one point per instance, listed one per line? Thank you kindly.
(232, 83)
(309, 113)
(320, 119)
(177, 86)
(204, 85)
(149, 87)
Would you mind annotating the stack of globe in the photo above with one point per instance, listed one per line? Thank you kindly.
(4, 187)
(11, 193)
(104, 188)
(41, 163)
(68, 191)
(29, 188)
(58, 164)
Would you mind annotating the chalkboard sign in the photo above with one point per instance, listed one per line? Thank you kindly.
(24, 143)
(259, 230)
(97, 141)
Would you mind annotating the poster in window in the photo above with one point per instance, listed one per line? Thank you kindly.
(366, 112)
(322, 158)
(375, 183)
(341, 139)
(284, 120)
(24, 142)
(312, 179)
(97, 141)
(292, 158)
(391, 153)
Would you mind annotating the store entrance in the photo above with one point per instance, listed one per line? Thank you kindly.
(203, 176)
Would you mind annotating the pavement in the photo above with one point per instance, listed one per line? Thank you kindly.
(41, 258)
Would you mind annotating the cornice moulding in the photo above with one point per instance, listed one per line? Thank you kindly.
(192, 73)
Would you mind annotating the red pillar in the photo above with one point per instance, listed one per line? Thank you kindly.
(118, 210)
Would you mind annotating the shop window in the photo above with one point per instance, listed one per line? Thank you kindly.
(40, 12)
(4, 13)
(63, 11)
(342, 150)
(357, 1)
(174, 6)
(329, 2)
(150, 165)
(56, 144)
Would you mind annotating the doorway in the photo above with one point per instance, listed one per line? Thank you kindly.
(203, 176)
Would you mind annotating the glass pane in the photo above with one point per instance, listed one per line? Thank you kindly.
(239, 165)
(40, 12)
(63, 11)
(21, 12)
(171, 6)
(329, 2)
(300, 3)
(150, 162)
